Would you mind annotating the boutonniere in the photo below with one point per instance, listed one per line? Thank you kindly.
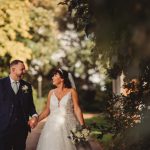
(25, 88)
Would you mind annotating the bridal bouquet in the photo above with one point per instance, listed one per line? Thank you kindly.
(79, 135)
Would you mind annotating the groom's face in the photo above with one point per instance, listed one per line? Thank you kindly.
(19, 70)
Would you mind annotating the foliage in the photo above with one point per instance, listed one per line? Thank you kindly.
(115, 71)
(100, 129)
(129, 116)
(32, 36)
(4, 63)
(121, 34)
(14, 27)
(119, 27)
(43, 42)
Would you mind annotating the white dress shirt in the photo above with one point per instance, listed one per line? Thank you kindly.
(12, 81)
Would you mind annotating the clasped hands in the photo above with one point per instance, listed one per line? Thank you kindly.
(33, 122)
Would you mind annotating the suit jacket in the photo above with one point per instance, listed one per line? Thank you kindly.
(6, 103)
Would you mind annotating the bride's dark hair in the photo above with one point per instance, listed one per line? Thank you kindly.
(64, 75)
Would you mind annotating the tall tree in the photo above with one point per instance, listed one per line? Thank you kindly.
(120, 30)
(27, 32)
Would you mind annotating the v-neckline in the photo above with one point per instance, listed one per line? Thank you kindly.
(59, 100)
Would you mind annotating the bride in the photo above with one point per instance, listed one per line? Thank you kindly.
(63, 113)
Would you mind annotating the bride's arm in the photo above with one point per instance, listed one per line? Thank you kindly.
(77, 108)
(46, 110)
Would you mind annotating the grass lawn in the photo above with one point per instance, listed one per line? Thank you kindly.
(100, 121)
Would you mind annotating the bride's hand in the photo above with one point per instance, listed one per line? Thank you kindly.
(85, 126)
(33, 122)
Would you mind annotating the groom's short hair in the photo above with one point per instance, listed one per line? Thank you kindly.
(15, 62)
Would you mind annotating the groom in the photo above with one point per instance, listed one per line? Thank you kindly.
(16, 105)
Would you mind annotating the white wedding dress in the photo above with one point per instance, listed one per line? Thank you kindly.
(61, 120)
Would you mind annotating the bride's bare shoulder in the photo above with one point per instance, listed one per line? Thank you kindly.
(73, 90)
(50, 92)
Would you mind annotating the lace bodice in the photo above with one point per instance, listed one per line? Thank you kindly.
(65, 105)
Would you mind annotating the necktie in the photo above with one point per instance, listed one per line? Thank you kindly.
(15, 86)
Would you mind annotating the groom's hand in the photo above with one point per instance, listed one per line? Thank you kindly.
(33, 122)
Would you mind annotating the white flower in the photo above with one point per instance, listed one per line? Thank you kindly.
(77, 134)
(73, 141)
(74, 130)
(79, 140)
(25, 88)
(85, 132)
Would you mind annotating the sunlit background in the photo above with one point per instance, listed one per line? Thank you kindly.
(104, 44)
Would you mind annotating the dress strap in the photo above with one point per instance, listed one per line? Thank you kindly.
(52, 92)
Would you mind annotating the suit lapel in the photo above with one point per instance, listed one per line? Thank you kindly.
(20, 92)
(20, 87)
(8, 89)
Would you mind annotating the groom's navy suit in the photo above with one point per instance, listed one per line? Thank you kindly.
(15, 110)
